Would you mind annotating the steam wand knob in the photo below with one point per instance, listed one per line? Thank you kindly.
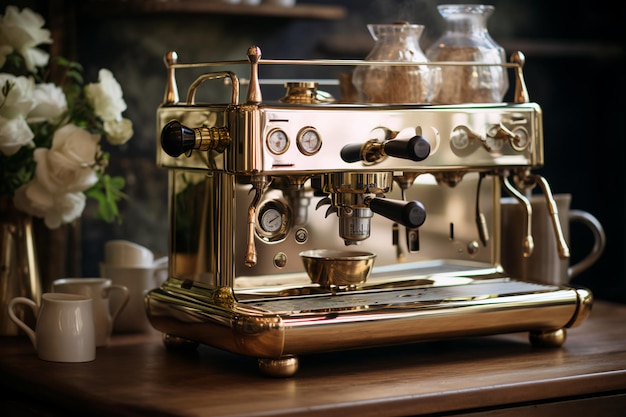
(177, 139)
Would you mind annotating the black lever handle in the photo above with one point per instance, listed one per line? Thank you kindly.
(351, 152)
(177, 139)
(416, 148)
(410, 214)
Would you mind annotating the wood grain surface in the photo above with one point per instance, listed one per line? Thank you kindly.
(136, 375)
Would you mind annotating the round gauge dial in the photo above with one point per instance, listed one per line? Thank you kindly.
(271, 220)
(277, 141)
(309, 141)
(274, 220)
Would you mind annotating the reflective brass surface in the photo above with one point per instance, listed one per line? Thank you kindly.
(296, 176)
(334, 268)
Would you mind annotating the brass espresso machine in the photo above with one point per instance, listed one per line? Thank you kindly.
(408, 194)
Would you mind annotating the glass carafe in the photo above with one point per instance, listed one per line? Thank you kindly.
(397, 42)
(466, 38)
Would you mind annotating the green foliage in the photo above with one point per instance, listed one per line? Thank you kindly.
(107, 192)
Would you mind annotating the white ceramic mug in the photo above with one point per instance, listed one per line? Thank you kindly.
(64, 330)
(138, 281)
(128, 254)
(105, 310)
(544, 264)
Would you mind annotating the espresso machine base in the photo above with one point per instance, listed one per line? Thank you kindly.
(278, 327)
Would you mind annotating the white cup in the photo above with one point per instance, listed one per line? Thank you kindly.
(64, 330)
(128, 254)
(105, 309)
(139, 281)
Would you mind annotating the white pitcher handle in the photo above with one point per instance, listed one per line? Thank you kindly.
(124, 299)
(599, 241)
(20, 323)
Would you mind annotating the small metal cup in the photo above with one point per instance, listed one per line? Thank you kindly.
(337, 268)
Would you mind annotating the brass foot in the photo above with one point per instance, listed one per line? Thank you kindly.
(548, 338)
(172, 342)
(279, 367)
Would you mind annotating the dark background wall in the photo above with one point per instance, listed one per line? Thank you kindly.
(574, 70)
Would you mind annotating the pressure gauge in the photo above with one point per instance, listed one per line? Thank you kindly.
(274, 220)
(271, 220)
(309, 141)
(277, 141)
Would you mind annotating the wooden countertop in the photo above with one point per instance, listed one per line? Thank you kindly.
(137, 376)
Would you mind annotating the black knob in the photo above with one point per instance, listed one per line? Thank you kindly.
(351, 152)
(416, 149)
(177, 139)
(411, 214)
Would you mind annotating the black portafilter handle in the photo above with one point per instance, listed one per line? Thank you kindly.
(177, 139)
(416, 149)
(410, 214)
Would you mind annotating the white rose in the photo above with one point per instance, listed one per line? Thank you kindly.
(14, 133)
(56, 209)
(21, 96)
(50, 103)
(118, 131)
(24, 32)
(67, 166)
(106, 96)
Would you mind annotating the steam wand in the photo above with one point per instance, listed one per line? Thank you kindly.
(259, 182)
(554, 216)
(528, 244)
(481, 222)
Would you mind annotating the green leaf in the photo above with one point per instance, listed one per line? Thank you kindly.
(107, 192)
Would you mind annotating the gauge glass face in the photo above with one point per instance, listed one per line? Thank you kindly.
(309, 141)
(271, 220)
(277, 141)
(274, 221)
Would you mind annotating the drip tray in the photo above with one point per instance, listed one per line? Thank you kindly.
(276, 324)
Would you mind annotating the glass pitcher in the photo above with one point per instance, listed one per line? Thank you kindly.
(397, 42)
(466, 38)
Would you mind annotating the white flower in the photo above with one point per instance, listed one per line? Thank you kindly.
(21, 97)
(118, 131)
(56, 209)
(68, 166)
(106, 96)
(49, 103)
(23, 31)
(14, 133)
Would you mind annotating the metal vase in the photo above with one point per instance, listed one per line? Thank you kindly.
(19, 270)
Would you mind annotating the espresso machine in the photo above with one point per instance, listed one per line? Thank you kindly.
(256, 183)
